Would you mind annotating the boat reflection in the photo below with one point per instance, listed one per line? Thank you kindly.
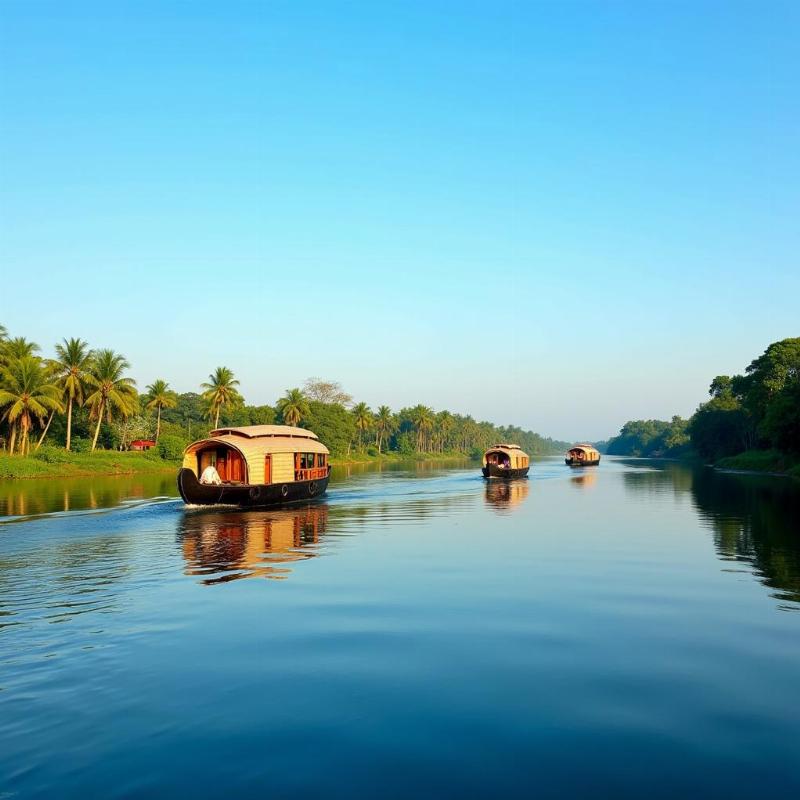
(227, 546)
(586, 480)
(504, 496)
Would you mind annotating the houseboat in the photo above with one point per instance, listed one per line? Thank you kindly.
(254, 466)
(505, 461)
(582, 455)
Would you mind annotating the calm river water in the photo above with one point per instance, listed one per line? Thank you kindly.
(632, 631)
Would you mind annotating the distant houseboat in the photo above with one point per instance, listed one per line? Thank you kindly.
(505, 461)
(255, 466)
(582, 455)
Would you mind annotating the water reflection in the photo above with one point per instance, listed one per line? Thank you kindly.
(227, 546)
(754, 519)
(585, 479)
(503, 496)
(24, 498)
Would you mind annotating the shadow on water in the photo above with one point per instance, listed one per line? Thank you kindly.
(227, 546)
(754, 519)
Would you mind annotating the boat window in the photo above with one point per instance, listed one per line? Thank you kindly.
(320, 459)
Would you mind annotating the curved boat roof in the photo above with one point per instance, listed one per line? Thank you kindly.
(584, 447)
(259, 431)
(506, 448)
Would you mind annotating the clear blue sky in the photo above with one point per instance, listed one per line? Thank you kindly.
(561, 215)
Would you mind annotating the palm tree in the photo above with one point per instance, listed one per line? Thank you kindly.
(383, 425)
(293, 407)
(113, 392)
(363, 418)
(28, 394)
(444, 424)
(72, 363)
(219, 391)
(423, 418)
(18, 347)
(159, 396)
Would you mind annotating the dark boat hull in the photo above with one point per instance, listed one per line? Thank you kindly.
(248, 495)
(574, 462)
(493, 471)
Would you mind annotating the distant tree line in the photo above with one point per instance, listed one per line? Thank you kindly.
(757, 410)
(83, 399)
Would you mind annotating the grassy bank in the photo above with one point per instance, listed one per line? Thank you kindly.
(57, 463)
(762, 461)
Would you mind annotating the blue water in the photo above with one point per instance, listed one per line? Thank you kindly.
(626, 632)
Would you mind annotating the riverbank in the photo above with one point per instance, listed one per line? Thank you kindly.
(58, 463)
(769, 462)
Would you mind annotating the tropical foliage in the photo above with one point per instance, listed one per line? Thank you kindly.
(759, 410)
(85, 399)
(293, 407)
(72, 364)
(220, 392)
(159, 397)
(27, 396)
(112, 393)
(651, 438)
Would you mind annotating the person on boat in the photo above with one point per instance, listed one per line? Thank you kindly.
(210, 475)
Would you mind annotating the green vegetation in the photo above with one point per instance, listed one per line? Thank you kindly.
(159, 397)
(114, 393)
(220, 393)
(57, 462)
(751, 422)
(86, 412)
(651, 438)
(762, 461)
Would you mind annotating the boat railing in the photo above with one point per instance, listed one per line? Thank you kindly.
(311, 474)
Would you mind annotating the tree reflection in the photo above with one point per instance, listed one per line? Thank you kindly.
(754, 519)
(26, 498)
(226, 546)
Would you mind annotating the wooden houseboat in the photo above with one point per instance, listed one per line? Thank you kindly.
(582, 455)
(254, 466)
(505, 461)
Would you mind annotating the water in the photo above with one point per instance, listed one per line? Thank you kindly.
(626, 632)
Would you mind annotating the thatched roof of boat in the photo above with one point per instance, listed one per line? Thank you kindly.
(509, 449)
(259, 431)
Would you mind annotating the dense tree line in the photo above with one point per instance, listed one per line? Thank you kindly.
(757, 410)
(652, 438)
(84, 399)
